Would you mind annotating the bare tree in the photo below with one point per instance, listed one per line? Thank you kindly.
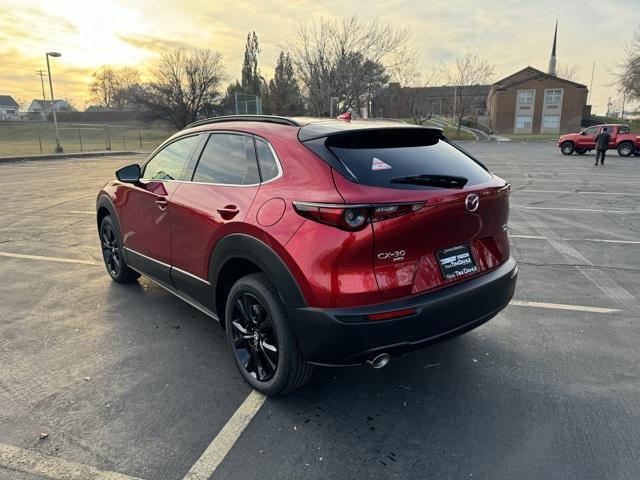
(421, 106)
(111, 87)
(185, 84)
(22, 102)
(468, 74)
(103, 86)
(629, 76)
(326, 52)
(568, 72)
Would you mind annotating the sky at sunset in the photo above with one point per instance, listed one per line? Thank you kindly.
(509, 33)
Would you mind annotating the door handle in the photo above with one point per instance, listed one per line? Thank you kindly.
(228, 212)
(162, 204)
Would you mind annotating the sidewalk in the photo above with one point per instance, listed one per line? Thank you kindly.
(55, 156)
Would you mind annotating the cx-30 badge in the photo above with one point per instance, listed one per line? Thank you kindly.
(472, 202)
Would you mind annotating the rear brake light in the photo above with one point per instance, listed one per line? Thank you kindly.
(353, 217)
(390, 315)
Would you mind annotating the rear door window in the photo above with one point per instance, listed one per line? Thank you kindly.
(228, 159)
(378, 159)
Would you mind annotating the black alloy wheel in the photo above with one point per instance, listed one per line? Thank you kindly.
(111, 250)
(254, 337)
(259, 334)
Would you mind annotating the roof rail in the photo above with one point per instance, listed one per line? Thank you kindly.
(245, 118)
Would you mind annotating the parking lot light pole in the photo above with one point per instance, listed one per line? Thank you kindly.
(58, 148)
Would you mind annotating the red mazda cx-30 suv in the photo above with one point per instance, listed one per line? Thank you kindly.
(314, 242)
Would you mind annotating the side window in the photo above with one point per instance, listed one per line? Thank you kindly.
(228, 159)
(591, 131)
(268, 163)
(623, 129)
(169, 163)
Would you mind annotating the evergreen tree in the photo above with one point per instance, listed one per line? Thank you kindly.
(251, 80)
(284, 92)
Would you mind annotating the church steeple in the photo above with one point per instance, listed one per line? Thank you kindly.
(552, 60)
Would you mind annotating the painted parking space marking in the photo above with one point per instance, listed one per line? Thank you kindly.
(562, 306)
(569, 209)
(48, 259)
(627, 194)
(56, 468)
(217, 450)
(597, 240)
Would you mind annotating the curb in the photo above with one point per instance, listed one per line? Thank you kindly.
(57, 156)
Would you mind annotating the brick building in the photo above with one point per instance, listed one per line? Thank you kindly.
(531, 101)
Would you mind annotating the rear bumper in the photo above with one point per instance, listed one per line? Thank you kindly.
(344, 337)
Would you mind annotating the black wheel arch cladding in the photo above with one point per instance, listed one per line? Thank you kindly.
(245, 247)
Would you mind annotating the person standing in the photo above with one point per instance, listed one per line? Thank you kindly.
(602, 143)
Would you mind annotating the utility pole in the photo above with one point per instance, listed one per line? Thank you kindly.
(58, 148)
(593, 69)
(41, 74)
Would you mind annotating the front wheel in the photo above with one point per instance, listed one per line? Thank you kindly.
(567, 148)
(112, 252)
(263, 345)
(625, 149)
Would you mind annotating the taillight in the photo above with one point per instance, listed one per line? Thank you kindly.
(353, 217)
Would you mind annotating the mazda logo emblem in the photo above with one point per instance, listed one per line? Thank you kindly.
(472, 202)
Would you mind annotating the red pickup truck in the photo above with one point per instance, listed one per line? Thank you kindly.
(622, 139)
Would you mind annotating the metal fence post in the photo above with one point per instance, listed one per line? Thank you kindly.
(140, 137)
(80, 138)
(39, 139)
(107, 138)
(124, 143)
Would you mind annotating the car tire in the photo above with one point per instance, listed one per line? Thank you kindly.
(263, 345)
(112, 252)
(567, 148)
(625, 149)
(581, 151)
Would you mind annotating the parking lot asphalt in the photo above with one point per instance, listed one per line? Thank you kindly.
(129, 379)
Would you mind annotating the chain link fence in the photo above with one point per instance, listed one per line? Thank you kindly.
(29, 138)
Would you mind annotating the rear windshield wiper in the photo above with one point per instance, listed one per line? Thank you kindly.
(442, 181)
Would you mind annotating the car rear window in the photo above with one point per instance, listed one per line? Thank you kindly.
(377, 159)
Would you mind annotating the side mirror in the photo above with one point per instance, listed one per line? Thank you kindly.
(583, 133)
(129, 174)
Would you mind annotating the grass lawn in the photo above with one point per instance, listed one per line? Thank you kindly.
(26, 138)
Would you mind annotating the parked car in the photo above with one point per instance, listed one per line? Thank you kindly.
(314, 242)
(622, 139)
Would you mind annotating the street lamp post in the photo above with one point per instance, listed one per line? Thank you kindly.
(58, 148)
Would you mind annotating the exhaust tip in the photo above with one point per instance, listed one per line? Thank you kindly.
(379, 361)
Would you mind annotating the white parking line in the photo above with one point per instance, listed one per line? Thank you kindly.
(48, 259)
(562, 306)
(56, 468)
(576, 191)
(209, 461)
(567, 209)
(599, 240)
(88, 212)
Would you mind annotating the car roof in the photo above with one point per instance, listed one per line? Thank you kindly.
(309, 127)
